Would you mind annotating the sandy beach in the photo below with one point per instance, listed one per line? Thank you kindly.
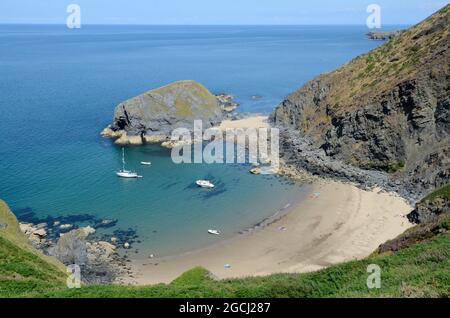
(336, 223)
(256, 122)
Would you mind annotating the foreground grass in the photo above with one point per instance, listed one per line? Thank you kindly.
(24, 270)
(422, 270)
(416, 264)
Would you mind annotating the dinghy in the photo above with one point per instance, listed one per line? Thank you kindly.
(214, 232)
(146, 163)
(205, 184)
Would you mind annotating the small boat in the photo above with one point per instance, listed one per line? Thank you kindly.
(214, 232)
(126, 173)
(205, 184)
(146, 163)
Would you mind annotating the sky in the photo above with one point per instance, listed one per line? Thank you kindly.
(217, 12)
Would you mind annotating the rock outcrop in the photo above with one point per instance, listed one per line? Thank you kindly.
(382, 35)
(431, 207)
(151, 116)
(388, 110)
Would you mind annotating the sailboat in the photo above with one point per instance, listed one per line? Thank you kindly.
(125, 173)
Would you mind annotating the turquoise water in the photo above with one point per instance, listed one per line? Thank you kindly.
(58, 89)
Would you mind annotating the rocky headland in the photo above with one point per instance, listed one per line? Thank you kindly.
(153, 115)
(381, 119)
(382, 35)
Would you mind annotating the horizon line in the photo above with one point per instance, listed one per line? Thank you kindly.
(141, 24)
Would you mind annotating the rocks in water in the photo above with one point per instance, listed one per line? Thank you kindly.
(169, 144)
(71, 248)
(106, 223)
(151, 116)
(227, 103)
(382, 35)
(88, 230)
(40, 232)
(27, 228)
(35, 233)
(386, 110)
(101, 249)
(65, 226)
(79, 241)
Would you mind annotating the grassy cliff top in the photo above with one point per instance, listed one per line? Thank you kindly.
(182, 99)
(24, 270)
(398, 60)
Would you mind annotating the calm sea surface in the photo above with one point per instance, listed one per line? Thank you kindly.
(58, 89)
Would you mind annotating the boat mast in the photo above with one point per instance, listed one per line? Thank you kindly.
(123, 159)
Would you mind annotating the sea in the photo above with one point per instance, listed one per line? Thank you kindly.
(59, 88)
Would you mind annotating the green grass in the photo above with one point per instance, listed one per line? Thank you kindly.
(422, 270)
(23, 272)
(443, 193)
(388, 166)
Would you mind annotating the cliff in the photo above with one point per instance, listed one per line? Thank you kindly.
(22, 268)
(432, 206)
(386, 110)
(151, 116)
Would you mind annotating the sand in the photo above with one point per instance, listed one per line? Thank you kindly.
(249, 122)
(336, 223)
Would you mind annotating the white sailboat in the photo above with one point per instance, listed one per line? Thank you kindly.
(126, 173)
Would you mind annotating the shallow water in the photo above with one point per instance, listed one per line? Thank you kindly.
(58, 89)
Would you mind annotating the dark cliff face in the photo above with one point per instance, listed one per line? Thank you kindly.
(385, 110)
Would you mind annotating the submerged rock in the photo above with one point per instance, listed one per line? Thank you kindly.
(151, 116)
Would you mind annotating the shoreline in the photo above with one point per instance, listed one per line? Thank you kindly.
(337, 222)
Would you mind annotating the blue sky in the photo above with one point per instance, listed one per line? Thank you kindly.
(217, 11)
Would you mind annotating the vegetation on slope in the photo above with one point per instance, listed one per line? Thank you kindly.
(384, 110)
(24, 270)
(394, 62)
(420, 268)
(443, 193)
